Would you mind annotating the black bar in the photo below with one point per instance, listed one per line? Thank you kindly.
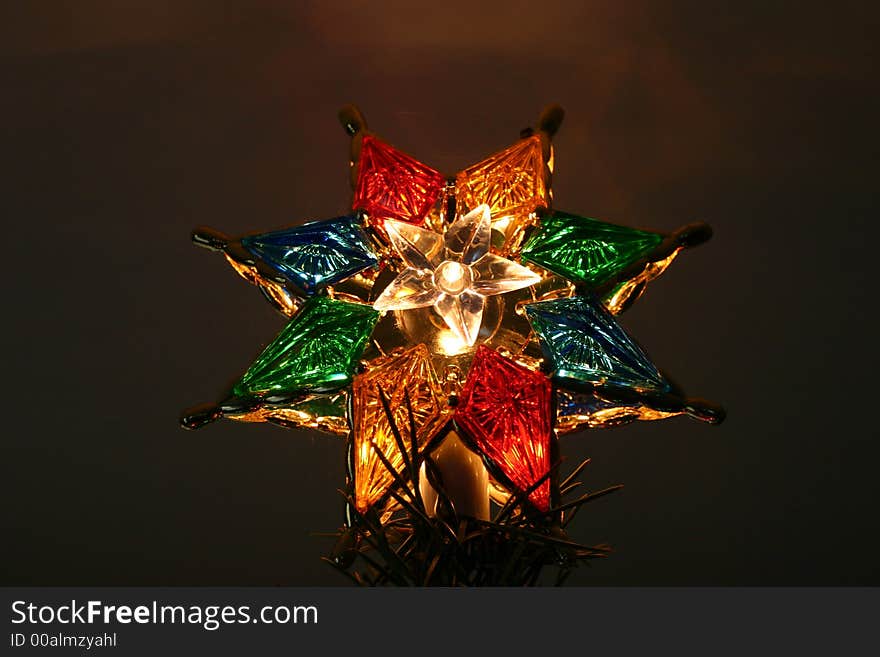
(612, 621)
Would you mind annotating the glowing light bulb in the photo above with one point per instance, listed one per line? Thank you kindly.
(452, 277)
(451, 344)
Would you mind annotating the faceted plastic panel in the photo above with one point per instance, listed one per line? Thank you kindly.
(411, 373)
(393, 185)
(585, 410)
(510, 182)
(317, 350)
(586, 250)
(506, 410)
(316, 254)
(584, 342)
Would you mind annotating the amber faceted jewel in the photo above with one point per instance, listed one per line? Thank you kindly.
(392, 185)
(317, 350)
(586, 250)
(511, 182)
(585, 344)
(407, 374)
(505, 409)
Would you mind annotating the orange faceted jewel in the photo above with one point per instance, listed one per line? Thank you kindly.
(393, 185)
(412, 372)
(510, 182)
(505, 409)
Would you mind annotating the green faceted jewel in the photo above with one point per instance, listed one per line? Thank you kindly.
(317, 350)
(586, 250)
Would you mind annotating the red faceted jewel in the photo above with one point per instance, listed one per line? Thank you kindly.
(505, 409)
(393, 185)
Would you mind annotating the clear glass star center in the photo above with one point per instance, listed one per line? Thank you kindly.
(453, 272)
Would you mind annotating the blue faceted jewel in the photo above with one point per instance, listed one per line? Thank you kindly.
(585, 344)
(316, 254)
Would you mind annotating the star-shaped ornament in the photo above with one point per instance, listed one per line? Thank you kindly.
(528, 294)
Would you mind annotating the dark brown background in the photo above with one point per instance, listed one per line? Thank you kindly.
(124, 124)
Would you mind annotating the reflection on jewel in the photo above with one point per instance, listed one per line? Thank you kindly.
(454, 278)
